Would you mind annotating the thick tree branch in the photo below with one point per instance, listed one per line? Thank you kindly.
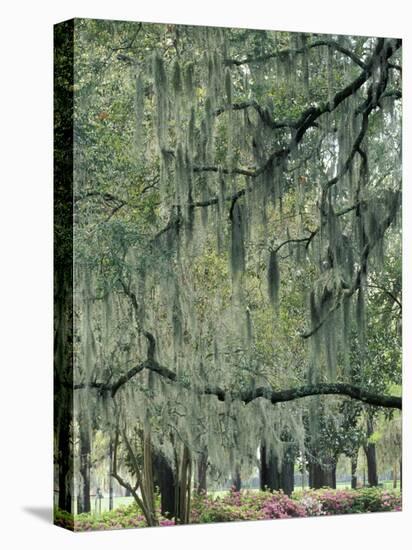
(287, 52)
(347, 390)
(276, 396)
(150, 363)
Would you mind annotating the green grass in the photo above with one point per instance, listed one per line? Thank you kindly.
(346, 485)
(117, 501)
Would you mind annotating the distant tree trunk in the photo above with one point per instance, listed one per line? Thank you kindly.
(303, 476)
(237, 480)
(269, 476)
(395, 475)
(64, 464)
(400, 474)
(110, 476)
(322, 474)
(370, 452)
(334, 476)
(316, 476)
(166, 481)
(202, 473)
(273, 477)
(354, 466)
(287, 476)
(84, 450)
(184, 488)
(148, 484)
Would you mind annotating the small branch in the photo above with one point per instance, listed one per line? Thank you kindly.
(388, 293)
(113, 212)
(313, 233)
(264, 114)
(126, 484)
(105, 196)
(290, 241)
(395, 67)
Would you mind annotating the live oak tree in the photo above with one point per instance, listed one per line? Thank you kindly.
(237, 197)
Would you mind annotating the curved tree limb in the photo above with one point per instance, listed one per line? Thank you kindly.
(285, 53)
(264, 114)
(274, 396)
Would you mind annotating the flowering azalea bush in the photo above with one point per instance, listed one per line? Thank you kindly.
(333, 502)
(235, 506)
(123, 517)
(359, 501)
(281, 506)
(247, 506)
(255, 505)
(312, 505)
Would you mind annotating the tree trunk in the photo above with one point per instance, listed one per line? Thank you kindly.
(316, 476)
(165, 479)
(184, 488)
(322, 474)
(65, 464)
(334, 476)
(287, 476)
(303, 475)
(110, 476)
(145, 501)
(63, 368)
(395, 475)
(237, 480)
(84, 449)
(354, 466)
(202, 474)
(63, 269)
(148, 485)
(273, 477)
(370, 452)
(269, 475)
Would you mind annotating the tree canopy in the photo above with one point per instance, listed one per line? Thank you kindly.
(236, 236)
